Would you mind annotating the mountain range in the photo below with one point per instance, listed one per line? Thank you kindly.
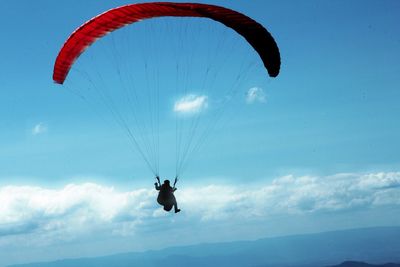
(347, 248)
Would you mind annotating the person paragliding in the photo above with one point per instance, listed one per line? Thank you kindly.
(98, 27)
(166, 195)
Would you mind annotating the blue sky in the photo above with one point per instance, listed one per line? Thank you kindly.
(321, 143)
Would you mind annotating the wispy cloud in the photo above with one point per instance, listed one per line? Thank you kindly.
(39, 128)
(191, 104)
(90, 207)
(255, 94)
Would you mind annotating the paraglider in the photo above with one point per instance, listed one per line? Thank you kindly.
(255, 34)
(84, 36)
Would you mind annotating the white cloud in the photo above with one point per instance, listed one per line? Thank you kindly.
(72, 209)
(191, 104)
(87, 208)
(255, 94)
(39, 128)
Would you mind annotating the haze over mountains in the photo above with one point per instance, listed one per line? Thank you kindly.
(370, 245)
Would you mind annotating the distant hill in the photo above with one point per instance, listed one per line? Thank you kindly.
(363, 264)
(373, 245)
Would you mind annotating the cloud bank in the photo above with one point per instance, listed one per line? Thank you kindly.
(190, 104)
(89, 207)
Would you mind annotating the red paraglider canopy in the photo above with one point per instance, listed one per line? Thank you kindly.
(255, 34)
